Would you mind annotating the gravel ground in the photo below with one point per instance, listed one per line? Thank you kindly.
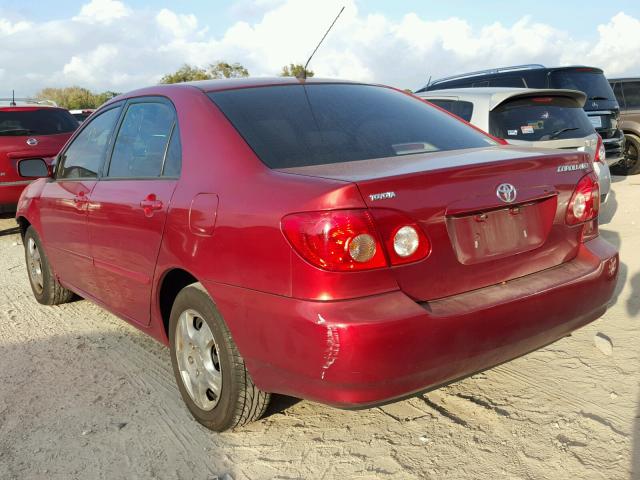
(84, 395)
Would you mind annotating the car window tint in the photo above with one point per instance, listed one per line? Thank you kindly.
(173, 160)
(86, 153)
(458, 107)
(517, 82)
(539, 119)
(36, 121)
(142, 140)
(617, 91)
(300, 125)
(631, 94)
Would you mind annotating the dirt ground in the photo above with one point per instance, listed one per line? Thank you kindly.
(85, 396)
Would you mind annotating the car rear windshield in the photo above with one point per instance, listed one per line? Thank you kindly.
(591, 82)
(301, 125)
(539, 119)
(41, 121)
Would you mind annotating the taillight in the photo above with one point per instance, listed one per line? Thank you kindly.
(601, 153)
(585, 201)
(403, 238)
(352, 240)
(337, 240)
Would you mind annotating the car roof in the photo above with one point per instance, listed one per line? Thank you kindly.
(498, 95)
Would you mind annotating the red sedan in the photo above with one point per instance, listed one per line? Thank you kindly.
(28, 130)
(340, 242)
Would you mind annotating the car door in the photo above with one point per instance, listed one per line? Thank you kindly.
(64, 201)
(129, 206)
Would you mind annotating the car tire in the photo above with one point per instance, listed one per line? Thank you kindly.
(210, 372)
(630, 165)
(44, 284)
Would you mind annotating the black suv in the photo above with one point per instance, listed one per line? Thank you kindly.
(601, 106)
(627, 91)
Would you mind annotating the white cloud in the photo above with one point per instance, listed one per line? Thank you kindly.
(102, 11)
(178, 25)
(94, 50)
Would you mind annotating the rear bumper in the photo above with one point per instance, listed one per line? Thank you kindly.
(371, 350)
(614, 148)
(10, 193)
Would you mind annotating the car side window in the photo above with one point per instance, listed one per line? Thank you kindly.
(631, 94)
(460, 108)
(85, 155)
(173, 159)
(141, 143)
(517, 82)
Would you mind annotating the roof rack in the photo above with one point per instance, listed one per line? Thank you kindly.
(28, 101)
(528, 66)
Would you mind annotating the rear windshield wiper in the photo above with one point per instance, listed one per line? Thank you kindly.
(561, 131)
(598, 97)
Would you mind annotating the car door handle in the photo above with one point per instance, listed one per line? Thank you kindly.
(151, 204)
(80, 200)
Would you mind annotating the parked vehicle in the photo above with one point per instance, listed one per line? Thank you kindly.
(28, 129)
(601, 105)
(529, 117)
(82, 115)
(627, 91)
(339, 242)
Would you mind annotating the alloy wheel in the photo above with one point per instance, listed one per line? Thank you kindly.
(34, 264)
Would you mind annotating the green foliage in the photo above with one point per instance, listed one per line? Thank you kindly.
(220, 69)
(75, 98)
(295, 70)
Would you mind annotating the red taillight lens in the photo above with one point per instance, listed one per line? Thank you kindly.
(585, 201)
(338, 240)
(403, 238)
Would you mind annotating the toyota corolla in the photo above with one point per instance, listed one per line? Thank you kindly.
(340, 242)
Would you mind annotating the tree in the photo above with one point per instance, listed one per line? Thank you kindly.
(295, 70)
(220, 69)
(75, 98)
(186, 73)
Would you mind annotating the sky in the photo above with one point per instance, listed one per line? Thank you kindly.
(121, 45)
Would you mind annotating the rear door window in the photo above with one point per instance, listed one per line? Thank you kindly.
(142, 140)
(314, 124)
(539, 119)
(86, 154)
(460, 108)
(631, 94)
(517, 82)
(36, 121)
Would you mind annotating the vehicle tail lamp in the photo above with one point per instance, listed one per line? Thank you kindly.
(584, 206)
(351, 240)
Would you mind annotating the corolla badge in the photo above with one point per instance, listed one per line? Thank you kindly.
(506, 192)
(32, 141)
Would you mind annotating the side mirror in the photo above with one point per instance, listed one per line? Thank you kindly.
(33, 168)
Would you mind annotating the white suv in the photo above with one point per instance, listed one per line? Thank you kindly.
(540, 118)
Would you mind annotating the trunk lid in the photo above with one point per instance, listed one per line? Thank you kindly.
(15, 148)
(477, 238)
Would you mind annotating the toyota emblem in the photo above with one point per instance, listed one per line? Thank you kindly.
(32, 141)
(506, 192)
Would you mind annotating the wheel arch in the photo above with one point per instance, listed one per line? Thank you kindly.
(23, 224)
(170, 284)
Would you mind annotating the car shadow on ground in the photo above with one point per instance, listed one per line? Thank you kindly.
(633, 307)
(618, 178)
(5, 218)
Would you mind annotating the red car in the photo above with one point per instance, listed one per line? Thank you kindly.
(28, 130)
(339, 242)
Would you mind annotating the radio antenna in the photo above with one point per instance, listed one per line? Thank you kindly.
(13, 98)
(304, 71)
